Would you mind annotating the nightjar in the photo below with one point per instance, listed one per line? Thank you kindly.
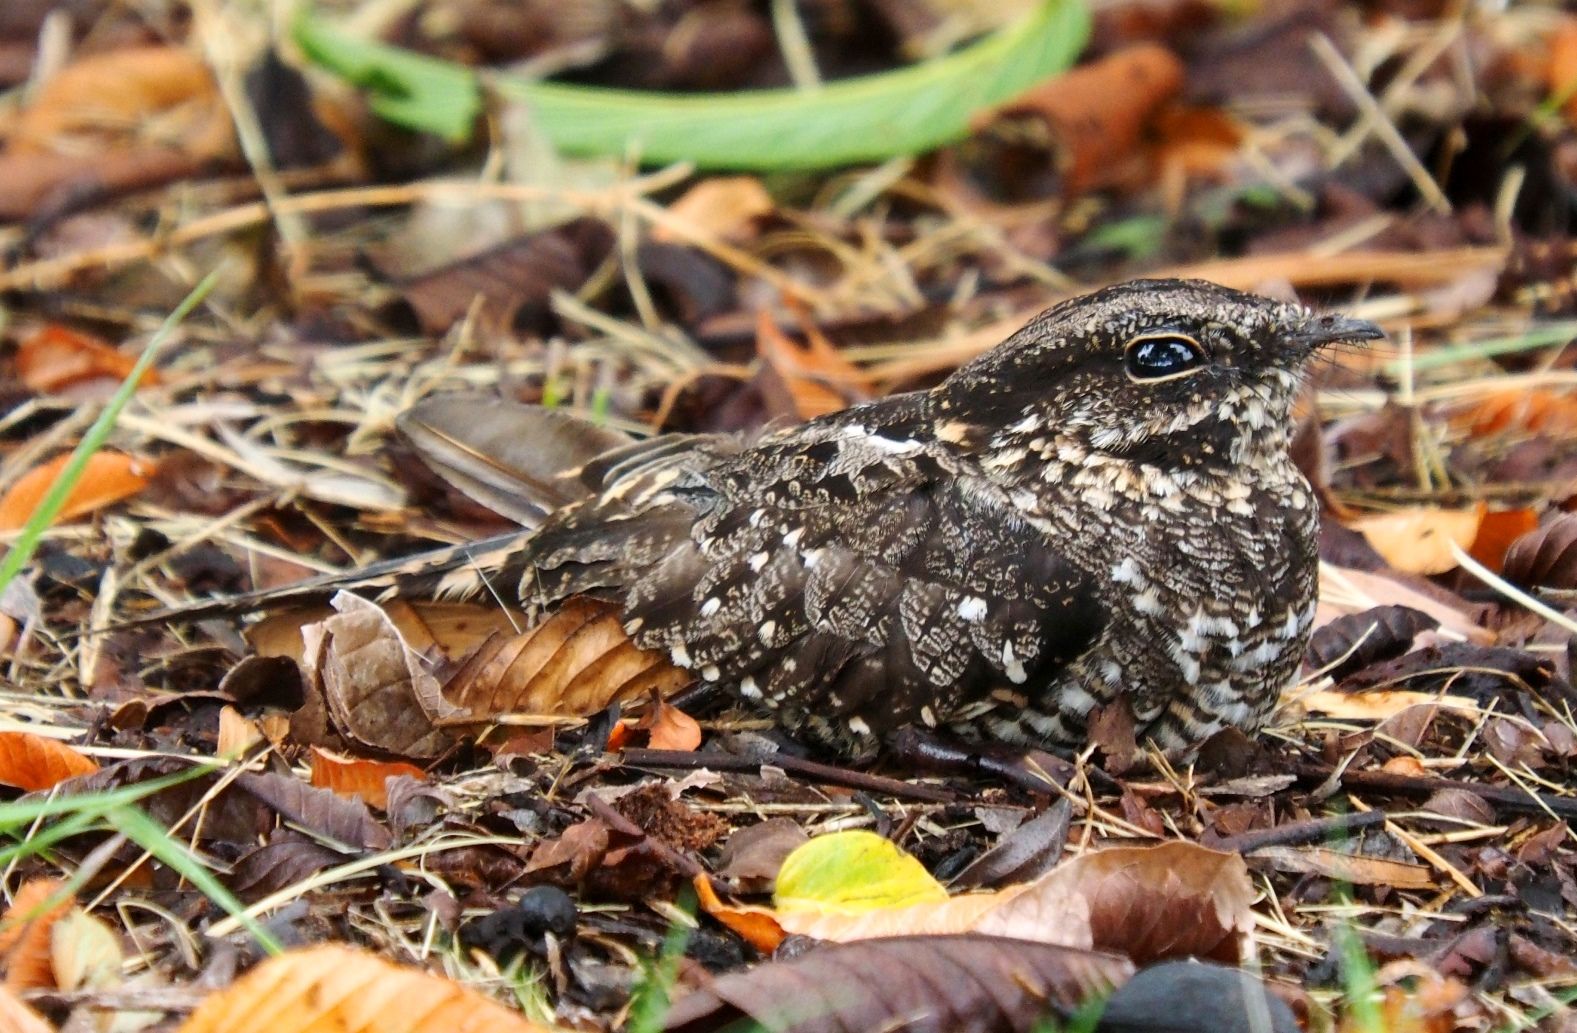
(1101, 505)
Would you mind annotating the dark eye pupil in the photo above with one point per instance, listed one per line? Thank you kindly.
(1162, 357)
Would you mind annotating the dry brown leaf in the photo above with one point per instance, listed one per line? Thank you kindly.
(575, 663)
(818, 377)
(1393, 588)
(756, 926)
(904, 983)
(1355, 869)
(337, 989)
(32, 762)
(24, 934)
(1173, 900)
(1419, 540)
(725, 207)
(108, 478)
(16, 1017)
(454, 629)
(379, 692)
(358, 777)
(238, 734)
(57, 357)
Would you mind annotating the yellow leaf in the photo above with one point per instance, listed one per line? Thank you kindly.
(853, 871)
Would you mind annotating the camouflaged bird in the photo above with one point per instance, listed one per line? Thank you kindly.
(1103, 504)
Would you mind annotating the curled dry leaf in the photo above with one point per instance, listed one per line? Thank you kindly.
(574, 663)
(956, 984)
(1355, 869)
(24, 934)
(1357, 640)
(32, 762)
(672, 729)
(1344, 590)
(107, 478)
(336, 989)
(357, 777)
(56, 358)
(380, 692)
(1546, 556)
(16, 1017)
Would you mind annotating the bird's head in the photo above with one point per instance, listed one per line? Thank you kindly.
(1173, 373)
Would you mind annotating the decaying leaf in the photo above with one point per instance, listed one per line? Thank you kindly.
(1354, 869)
(344, 990)
(380, 692)
(915, 984)
(32, 762)
(107, 478)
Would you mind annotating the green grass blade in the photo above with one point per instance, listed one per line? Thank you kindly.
(152, 837)
(865, 119)
(55, 498)
(19, 813)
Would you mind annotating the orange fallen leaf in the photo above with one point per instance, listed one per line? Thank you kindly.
(754, 925)
(56, 357)
(818, 377)
(338, 989)
(24, 935)
(111, 98)
(1539, 411)
(1418, 540)
(32, 762)
(1560, 72)
(108, 478)
(1495, 535)
(16, 1017)
(357, 776)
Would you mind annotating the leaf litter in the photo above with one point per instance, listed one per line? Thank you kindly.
(383, 777)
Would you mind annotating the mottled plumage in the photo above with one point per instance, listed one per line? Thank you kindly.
(1102, 504)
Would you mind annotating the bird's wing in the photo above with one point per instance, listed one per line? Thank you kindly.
(842, 571)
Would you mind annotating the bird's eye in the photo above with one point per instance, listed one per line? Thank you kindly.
(1163, 356)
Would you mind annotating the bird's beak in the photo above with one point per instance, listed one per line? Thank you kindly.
(1319, 331)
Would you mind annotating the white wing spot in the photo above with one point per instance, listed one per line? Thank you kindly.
(972, 608)
(711, 606)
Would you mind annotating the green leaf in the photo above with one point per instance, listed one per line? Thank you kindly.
(865, 119)
(854, 870)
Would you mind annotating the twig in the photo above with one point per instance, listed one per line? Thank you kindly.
(809, 769)
(1293, 833)
(1516, 800)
